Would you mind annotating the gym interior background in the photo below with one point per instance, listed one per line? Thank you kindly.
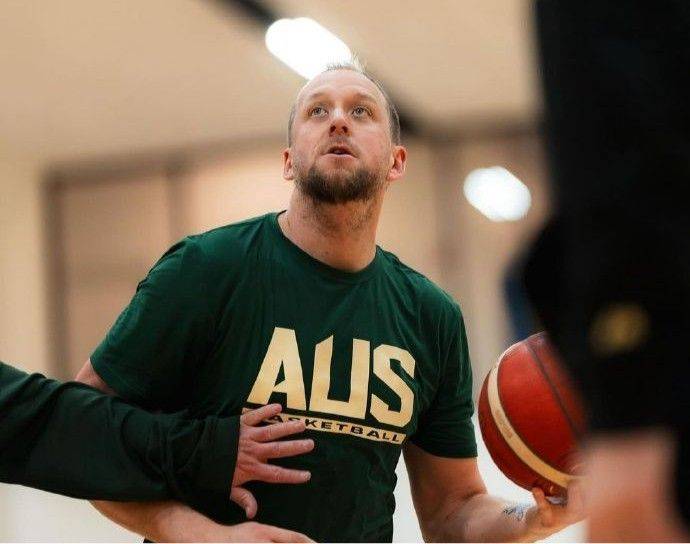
(125, 125)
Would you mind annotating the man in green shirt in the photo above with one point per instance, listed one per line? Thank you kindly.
(304, 309)
(73, 440)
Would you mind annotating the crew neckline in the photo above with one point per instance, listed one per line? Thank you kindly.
(319, 267)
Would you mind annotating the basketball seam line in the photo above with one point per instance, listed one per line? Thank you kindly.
(523, 439)
(559, 400)
(561, 478)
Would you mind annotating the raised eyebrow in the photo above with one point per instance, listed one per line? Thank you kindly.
(360, 96)
(315, 97)
(366, 97)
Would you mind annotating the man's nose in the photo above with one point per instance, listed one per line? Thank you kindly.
(339, 123)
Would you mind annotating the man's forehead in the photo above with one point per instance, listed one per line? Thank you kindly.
(340, 80)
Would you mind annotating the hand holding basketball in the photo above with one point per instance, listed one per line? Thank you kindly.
(546, 517)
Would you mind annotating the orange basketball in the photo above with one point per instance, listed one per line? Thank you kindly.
(531, 418)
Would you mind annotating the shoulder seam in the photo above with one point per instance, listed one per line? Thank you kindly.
(242, 223)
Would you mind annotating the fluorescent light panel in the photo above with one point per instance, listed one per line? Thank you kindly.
(497, 193)
(305, 46)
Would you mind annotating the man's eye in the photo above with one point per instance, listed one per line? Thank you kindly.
(317, 110)
(361, 110)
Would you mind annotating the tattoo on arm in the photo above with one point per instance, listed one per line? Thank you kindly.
(517, 511)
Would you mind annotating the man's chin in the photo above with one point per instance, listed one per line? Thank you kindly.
(338, 185)
(336, 176)
(337, 169)
(339, 178)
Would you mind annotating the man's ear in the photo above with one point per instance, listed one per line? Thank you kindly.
(397, 169)
(288, 172)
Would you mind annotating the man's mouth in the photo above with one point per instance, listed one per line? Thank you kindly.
(342, 150)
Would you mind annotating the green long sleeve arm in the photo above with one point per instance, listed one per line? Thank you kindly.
(73, 440)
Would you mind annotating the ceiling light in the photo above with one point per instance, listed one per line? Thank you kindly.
(305, 46)
(497, 193)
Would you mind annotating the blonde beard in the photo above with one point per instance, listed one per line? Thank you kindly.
(362, 186)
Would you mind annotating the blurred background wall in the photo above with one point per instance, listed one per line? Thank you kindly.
(127, 125)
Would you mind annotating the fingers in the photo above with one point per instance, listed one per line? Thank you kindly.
(245, 500)
(254, 417)
(545, 509)
(287, 448)
(279, 475)
(276, 534)
(278, 430)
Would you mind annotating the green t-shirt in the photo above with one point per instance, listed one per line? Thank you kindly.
(240, 316)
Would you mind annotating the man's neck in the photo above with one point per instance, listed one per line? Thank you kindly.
(342, 236)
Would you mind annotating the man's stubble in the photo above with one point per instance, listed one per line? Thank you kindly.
(339, 186)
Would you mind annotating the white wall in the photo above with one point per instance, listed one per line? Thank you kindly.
(27, 514)
(22, 273)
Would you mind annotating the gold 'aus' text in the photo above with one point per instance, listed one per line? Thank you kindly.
(283, 353)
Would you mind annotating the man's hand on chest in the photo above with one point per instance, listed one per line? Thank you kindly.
(258, 444)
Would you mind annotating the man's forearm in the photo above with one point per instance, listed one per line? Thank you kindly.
(69, 439)
(160, 521)
(483, 518)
